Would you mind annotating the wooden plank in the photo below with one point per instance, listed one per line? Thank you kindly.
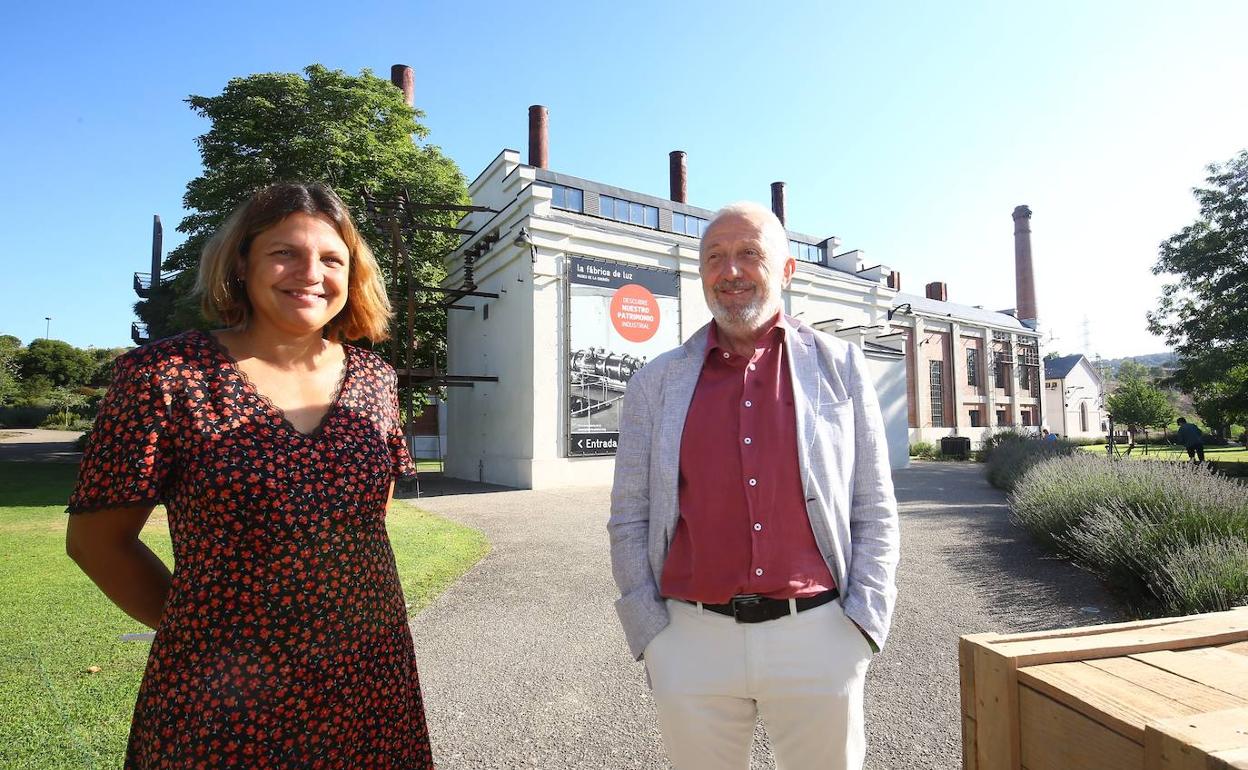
(1211, 666)
(969, 761)
(1225, 628)
(1189, 742)
(996, 711)
(1055, 737)
(1115, 703)
(1239, 648)
(1199, 696)
(966, 669)
(1235, 759)
(1105, 628)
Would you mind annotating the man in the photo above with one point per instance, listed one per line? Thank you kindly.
(753, 526)
(1046, 436)
(1192, 439)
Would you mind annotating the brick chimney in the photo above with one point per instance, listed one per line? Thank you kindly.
(678, 173)
(777, 200)
(539, 139)
(404, 80)
(938, 290)
(894, 280)
(1024, 278)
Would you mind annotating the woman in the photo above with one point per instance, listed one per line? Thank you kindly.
(281, 635)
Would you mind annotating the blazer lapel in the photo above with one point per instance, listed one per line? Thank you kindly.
(804, 370)
(678, 387)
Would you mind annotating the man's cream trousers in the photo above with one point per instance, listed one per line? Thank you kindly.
(802, 674)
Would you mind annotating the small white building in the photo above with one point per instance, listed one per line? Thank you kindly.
(1074, 397)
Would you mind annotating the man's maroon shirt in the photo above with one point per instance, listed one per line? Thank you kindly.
(743, 526)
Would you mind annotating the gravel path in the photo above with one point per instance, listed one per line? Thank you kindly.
(523, 663)
(39, 445)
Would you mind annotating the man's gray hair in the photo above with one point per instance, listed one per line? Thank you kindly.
(773, 230)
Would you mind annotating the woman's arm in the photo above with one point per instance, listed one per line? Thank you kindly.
(105, 544)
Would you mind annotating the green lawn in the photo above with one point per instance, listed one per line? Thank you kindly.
(57, 627)
(1234, 453)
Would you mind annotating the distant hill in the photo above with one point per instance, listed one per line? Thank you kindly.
(1152, 359)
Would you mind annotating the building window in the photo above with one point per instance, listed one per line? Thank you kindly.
(805, 252)
(1001, 417)
(567, 198)
(972, 368)
(1026, 416)
(628, 211)
(975, 418)
(938, 393)
(686, 224)
(1024, 378)
(1083, 416)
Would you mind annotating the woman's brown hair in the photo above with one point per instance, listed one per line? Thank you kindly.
(224, 297)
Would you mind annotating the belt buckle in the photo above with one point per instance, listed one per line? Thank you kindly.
(743, 604)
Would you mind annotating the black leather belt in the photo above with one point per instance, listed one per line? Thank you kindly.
(752, 608)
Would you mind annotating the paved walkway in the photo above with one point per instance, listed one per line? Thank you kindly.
(39, 445)
(524, 665)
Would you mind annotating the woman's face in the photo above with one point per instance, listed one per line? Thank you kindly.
(296, 275)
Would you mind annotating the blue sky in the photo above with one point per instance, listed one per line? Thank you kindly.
(909, 130)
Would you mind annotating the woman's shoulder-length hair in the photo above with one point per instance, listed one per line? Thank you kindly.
(223, 296)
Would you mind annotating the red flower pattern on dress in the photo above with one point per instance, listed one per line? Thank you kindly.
(284, 643)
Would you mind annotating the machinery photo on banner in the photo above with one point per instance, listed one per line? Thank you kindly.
(619, 317)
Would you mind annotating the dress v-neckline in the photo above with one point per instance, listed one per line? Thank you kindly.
(250, 386)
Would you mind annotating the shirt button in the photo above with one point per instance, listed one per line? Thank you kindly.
(753, 482)
(753, 367)
(759, 572)
(725, 354)
(748, 404)
(758, 527)
(749, 440)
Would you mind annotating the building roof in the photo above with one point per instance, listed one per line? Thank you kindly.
(1058, 368)
(962, 312)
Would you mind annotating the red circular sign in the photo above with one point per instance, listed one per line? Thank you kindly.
(634, 313)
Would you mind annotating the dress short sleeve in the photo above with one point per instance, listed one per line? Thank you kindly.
(128, 452)
(401, 464)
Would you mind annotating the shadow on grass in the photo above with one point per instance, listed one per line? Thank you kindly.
(31, 484)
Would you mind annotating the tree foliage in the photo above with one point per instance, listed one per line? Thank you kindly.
(10, 373)
(58, 363)
(1138, 404)
(351, 132)
(1203, 313)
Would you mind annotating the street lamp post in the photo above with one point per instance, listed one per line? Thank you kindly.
(47, 331)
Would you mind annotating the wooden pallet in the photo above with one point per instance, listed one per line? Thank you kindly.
(1164, 694)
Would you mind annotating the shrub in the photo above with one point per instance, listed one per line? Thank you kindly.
(1010, 455)
(925, 450)
(1172, 538)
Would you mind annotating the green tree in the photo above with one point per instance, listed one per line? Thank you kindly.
(10, 379)
(351, 132)
(1203, 313)
(1132, 371)
(57, 362)
(64, 400)
(1138, 404)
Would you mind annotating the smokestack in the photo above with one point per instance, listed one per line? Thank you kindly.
(938, 290)
(1024, 279)
(404, 80)
(539, 118)
(158, 237)
(679, 175)
(894, 280)
(777, 200)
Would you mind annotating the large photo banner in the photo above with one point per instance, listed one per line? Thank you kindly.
(619, 317)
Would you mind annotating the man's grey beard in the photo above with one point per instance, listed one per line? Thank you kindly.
(744, 318)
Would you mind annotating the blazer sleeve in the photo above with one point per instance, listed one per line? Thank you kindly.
(874, 534)
(640, 607)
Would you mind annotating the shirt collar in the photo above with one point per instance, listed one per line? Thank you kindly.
(780, 321)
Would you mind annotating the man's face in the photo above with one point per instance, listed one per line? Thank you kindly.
(744, 269)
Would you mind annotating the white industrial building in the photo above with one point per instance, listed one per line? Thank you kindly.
(593, 280)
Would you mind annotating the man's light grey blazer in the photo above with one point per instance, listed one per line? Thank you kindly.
(845, 474)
